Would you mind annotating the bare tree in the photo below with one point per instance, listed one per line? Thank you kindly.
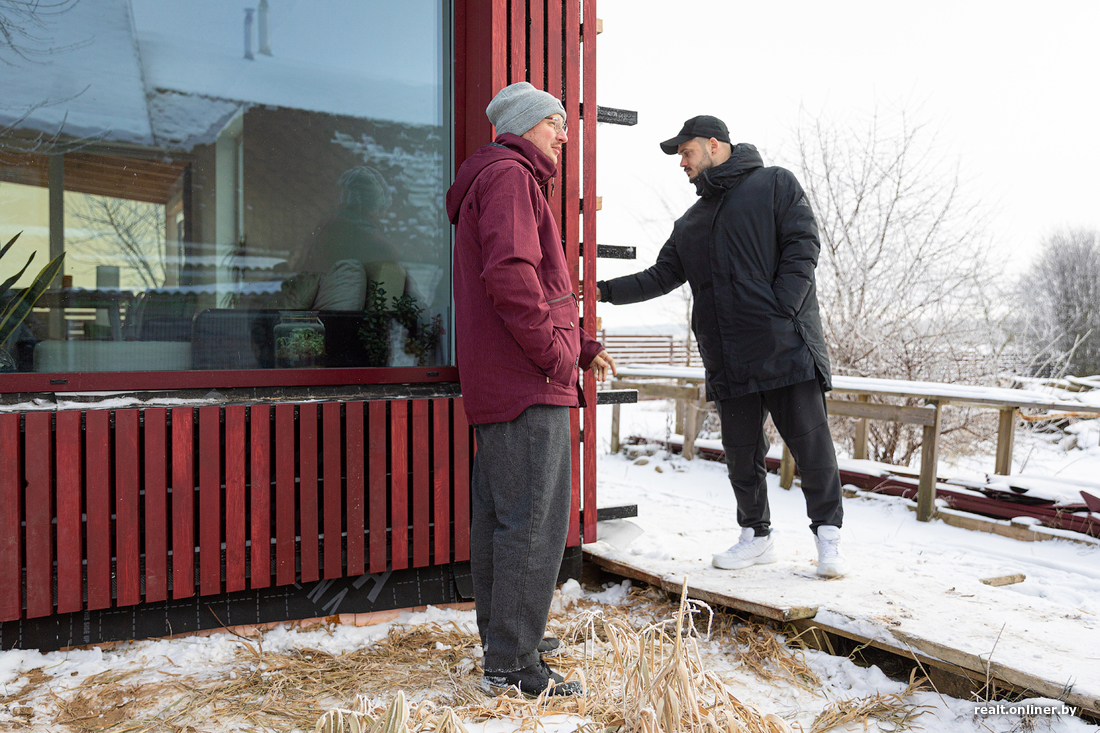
(1060, 332)
(134, 231)
(903, 280)
(25, 28)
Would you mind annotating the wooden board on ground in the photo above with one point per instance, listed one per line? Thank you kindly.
(1010, 650)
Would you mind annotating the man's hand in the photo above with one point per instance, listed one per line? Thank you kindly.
(601, 362)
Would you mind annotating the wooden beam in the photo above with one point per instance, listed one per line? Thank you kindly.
(876, 411)
(926, 490)
(666, 391)
(1006, 433)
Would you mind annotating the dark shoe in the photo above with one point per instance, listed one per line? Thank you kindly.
(530, 681)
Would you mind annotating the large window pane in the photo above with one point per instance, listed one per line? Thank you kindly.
(233, 185)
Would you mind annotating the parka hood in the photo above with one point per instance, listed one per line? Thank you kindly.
(506, 147)
(743, 159)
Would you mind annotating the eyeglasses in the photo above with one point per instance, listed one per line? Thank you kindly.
(557, 123)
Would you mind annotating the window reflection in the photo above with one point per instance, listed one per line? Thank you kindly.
(224, 212)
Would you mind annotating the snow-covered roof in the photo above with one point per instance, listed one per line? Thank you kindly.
(105, 77)
(90, 83)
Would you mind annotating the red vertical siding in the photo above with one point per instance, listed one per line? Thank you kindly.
(356, 475)
(97, 452)
(588, 63)
(259, 495)
(284, 494)
(441, 478)
(399, 484)
(11, 511)
(462, 482)
(236, 535)
(70, 527)
(333, 508)
(517, 39)
(536, 43)
(127, 509)
(39, 513)
(210, 501)
(156, 503)
(309, 528)
(421, 488)
(376, 485)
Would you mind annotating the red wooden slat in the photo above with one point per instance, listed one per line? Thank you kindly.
(70, 526)
(127, 509)
(39, 513)
(517, 66)
(235, 497)
(461, 482)
(284, 494)
(399, 484)
(156, 504)
(588, 62)
(536, 48)
(356, 473)
(259, 495)
(574, 537)
(183, 502)
(376, 485)
(11, 512)
(554, 47)
(210, 500)
(441, 478)
(309, 529)
(421, 488)
(331, 435)
(97, 458)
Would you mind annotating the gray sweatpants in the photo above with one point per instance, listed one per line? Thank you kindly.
(520, 504)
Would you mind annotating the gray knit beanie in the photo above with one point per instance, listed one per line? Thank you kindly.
(518, 107)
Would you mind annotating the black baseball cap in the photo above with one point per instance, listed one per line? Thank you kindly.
(701, 126)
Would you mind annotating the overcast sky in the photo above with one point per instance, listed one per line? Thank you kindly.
(1012, 90)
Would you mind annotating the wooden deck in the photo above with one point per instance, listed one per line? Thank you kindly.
(1016, 645)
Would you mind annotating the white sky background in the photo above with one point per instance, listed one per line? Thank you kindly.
(1011, 89)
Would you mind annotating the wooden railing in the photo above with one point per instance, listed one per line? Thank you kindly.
(935, 397)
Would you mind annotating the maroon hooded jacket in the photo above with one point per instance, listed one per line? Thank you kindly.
(517, 328)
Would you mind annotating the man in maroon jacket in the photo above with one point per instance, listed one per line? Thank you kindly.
(519, 346)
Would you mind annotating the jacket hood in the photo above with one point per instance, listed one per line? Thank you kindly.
(743, 159)
(506, 147)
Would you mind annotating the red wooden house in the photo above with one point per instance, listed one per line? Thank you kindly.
(221, 414)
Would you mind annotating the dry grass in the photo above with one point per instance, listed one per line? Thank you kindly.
(640, 663)
(891, 712)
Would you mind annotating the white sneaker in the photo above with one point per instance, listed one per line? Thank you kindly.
(749, 550)
(830, 563)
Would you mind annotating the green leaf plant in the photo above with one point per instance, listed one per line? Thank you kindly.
(15, 309)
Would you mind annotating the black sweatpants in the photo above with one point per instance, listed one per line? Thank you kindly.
(798, 412)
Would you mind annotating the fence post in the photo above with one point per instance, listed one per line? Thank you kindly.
(1006, 434)
(929, 457)
(615, 428)
(786, 469)
(859, 449)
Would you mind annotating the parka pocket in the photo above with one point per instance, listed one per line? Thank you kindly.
(564, 315)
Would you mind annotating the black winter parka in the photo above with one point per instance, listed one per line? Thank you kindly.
(748, 247)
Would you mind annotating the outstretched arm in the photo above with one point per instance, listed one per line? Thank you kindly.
(666, 274)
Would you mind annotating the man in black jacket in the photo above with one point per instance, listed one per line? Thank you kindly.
(748, 247)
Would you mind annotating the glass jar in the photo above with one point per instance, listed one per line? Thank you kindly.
(299, 340)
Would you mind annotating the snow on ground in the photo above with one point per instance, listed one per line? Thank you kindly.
(902, 571)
